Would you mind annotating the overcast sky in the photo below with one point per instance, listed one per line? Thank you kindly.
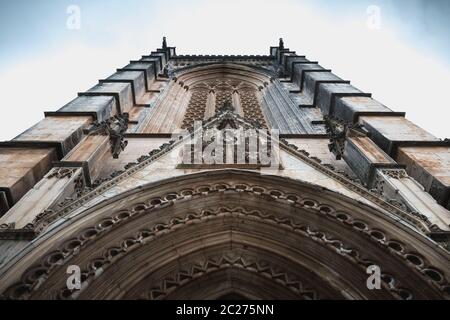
(403, 58)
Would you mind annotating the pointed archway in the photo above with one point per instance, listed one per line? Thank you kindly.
(210, 234)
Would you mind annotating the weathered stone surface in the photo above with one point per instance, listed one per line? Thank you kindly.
(21, 169)
(298, 71)
(65, 131)
(318, 147)
(90, 154)
(311, 82)
(396, 185)
(285, 56)
(391, 132)
(431, 167)
(350, 108)
(327, 93)
(121, 91)
(137, 79)
(9, 248)
(290, 63)
(282, 113)
(364, 156)
(161, 56)
(50, 190)
(137, 147)
(102, 107)
(149, 66)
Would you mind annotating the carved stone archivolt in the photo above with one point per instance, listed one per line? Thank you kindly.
(281, 215)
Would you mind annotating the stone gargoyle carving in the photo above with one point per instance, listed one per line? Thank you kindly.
(116, 128)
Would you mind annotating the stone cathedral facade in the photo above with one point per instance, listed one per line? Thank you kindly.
(211, 177)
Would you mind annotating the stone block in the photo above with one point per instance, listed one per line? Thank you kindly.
(318, 147)
(390, 132)
(64, 132)
(161, 56)
(364, 157)
(149, 66)
(298, 70)
(328, 92)
(135, 78)
(430, 166)
(89, 154)
(291, 60)
(101, 107)
(313, 78)
(121, 91)
(138, 146)
(20, 170)
(53, 188)
(350, 108)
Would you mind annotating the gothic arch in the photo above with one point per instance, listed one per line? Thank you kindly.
(213, 85)
(260, 96)
(196, 92)
(201, 71)
(229, 232)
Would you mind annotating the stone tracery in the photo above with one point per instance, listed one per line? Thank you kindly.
(238, 93)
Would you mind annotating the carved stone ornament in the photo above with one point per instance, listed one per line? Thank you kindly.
(396, 174)
(61, 173)
(116, 128)
(337, 131)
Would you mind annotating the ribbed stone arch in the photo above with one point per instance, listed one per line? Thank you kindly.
(154, 241)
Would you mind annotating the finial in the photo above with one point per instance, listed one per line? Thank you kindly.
(281, 43)
(164, 44)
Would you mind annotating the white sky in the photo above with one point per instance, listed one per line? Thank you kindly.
(376, 61)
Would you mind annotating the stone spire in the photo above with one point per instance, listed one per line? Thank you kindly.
(164, 44)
